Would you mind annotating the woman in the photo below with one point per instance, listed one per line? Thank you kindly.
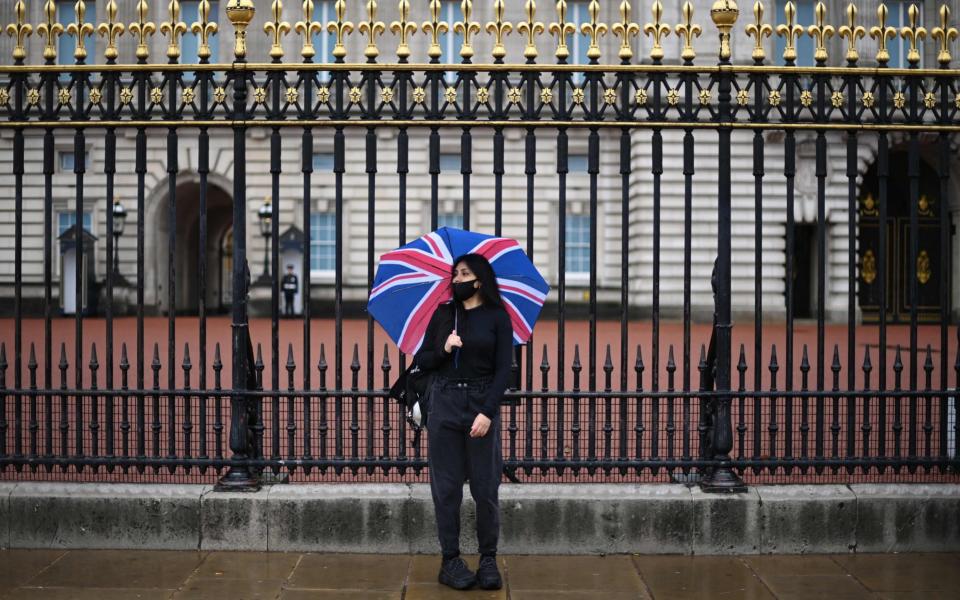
(468, 344)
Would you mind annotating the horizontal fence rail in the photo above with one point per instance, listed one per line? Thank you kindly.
(128, 373)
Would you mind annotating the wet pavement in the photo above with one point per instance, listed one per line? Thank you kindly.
(128, 575)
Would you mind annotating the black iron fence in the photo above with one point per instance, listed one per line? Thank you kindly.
(648, 399)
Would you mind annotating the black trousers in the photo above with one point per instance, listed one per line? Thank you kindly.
(455, 457)
(288, 304)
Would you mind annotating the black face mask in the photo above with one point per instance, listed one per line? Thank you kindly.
(464, 290)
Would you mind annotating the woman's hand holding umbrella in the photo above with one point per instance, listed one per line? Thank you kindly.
(453, 341)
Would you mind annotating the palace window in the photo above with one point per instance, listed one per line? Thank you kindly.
(323, 245)
(578, 244)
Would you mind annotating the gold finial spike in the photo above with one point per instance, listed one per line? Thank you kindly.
(404, 28)
(758, 29)
(499, 28)
(914, 33)
(340, 28)
(240, 13)
(435, 27)
(624, 29)
(111, 30)
(562, 30)
(80, 29)
(882, 33)
(308, 28)
(944, 34)
(657, 29)
(20, 31)
(173, 29)
(204, 28)
(687, 31)
(371, 28)
(466, 28)
(594, 29)
(276, 28)
(530, 28)
(851, 31)
(50, 30)
(791, 31)
(724, 14)
(142, 28)
(820, 32)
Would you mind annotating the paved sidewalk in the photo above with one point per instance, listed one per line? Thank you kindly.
(149, 575)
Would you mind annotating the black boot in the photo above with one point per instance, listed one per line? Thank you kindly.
(488, 576)
(454, 573)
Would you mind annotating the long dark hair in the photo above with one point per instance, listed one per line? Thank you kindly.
(489, 289)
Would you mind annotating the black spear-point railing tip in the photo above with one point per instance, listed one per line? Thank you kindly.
(928, 363)
(608, 362)
(63, 357)
(32, 361)
(3, 355)
(867, 365)
(671, 364)
(835, 366)
(322, 363)
(355, 363)
(898, 362)
(741, 362)
(291, 365)
(805, 360)
(639, 364)
(774, 365)
(545, 362)
(386, 358)
(217, 363)
(187, 365)
(702, 363)
(259, 361)
(124, 361)
(155, 363)
(94, 364)
(576, 366)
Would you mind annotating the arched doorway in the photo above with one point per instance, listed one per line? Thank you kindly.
(188, 252)
(897, 253)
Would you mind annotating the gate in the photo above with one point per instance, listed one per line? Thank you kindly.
(118, 394)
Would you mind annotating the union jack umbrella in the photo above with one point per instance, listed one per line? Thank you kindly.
(413, 280)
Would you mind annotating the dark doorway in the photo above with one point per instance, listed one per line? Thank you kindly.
(805, 271)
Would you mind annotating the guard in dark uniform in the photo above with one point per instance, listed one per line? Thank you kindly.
(291, 285)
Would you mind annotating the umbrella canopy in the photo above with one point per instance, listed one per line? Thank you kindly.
(414, 279)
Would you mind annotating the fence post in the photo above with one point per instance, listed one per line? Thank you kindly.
(240, 477)
(722, 478)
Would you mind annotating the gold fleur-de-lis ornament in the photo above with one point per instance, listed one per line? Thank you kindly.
(205, 29)
(340, 28)
(20, 30)
(80, 29)
(944, 34)
(820, 32)
(852, 32)
(50, 30)
(143, 29)
(758, 30)
(562, 29)
(657, 29)
(276, 28)
(913, 33)
(173, 29)
(435, 27)
(466, 28)
(531, 28)
(881, 33)
(687, 31)
(790, 31)
(624, 29)
(111, 30)
(307, 28)
(594, 30)
(499, 28)
(371, 28)
(403, 28)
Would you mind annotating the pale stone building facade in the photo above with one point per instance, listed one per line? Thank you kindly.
(546, 222)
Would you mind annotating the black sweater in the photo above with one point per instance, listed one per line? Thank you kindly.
(487, 346)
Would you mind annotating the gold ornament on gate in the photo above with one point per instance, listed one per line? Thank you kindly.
(50, 30)
(340, 28)
(308, 28)
(881, 33)
(923, 267)
(624, 29)
(111, 30)
(466, 28)
(530, 28)
(851, 32)
(869, 206)
(724, 14)
(758, 29)
(820, 33)
(499, 28)
(925, 206)
(142, 28)
(790, 31)
(435, 28)
(594, 29)
(868, 267)
(240, 13)
(276, 28)
(944, 34)
(403, 28)
(371, 28)
(657, 29)
(204, 28)
(174, 28)
(562, 29)
(80, 29)
(687, 31)
(20, 31)
(914, 33)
